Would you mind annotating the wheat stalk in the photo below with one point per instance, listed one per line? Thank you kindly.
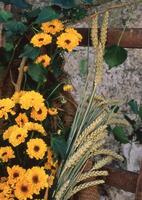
(84, 186)
(90, 174)
(61, 191)
(94, 31)
(89, 129)
(77, 155)
(103, 37)
(107, 152)
(102, 163)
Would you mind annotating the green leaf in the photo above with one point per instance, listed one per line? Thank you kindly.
(8, 46)
(37, 72)
(59, 145)
(83, 67)
(64, 3)
(46, 14)
(34, 13)
(19, 3)
(30, 52)
(134, 106)
(15, 28)
(120, 134)
(5, 16)
(140, 112)
(115, 55)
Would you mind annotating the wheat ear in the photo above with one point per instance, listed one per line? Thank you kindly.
(62, 190)
(84, 186)
(103, 37)
(94, 31)
(99, 164)
(90, 174)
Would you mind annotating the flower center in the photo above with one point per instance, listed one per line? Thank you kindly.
(35, 179)
(39, 112)
(36, 148)
(24, 188)
(15, 175)
(52, 26)
(67, 41)
(4, 154)
(18, 136)
(41, 39)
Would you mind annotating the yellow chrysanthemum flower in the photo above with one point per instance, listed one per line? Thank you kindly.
(6, 106)
(39, 115)
(6, 153)
(8, 132)
(44, 60)
(52, 27)
(41, 39)
(31, 99)
(17, 136)
(17, 95)
(68, 41)
(52, 111)
(23, 189)
(22, 119)
(6, 192)
(68, 88)
(31, 126)
(73, 31)
(15, 173)
(36, 148)
(38, 178)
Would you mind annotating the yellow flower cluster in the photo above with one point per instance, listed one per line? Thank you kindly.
(25, 134)
(66, 38)
(22, 184)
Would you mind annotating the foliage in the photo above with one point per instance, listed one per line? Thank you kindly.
(115, 56)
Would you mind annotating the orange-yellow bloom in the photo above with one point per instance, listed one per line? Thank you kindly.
(67, 88)
(68, 41)
(22, 119)
(41, 39)
(36, 148)
(39, 115)
(6, 153)
(52, 27)
(44, 60)
(52, 111)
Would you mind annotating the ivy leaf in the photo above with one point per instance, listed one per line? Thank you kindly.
(14, 27)
(46, 14)
(140, 112)
(5, 16)
(64, 3)
(115, 55)
(30, 52)
(120, 134)
(134, 106)
(58, 144)
(37, 72)
(19, 3)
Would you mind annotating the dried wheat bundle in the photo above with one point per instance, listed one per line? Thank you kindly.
(88, 133)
